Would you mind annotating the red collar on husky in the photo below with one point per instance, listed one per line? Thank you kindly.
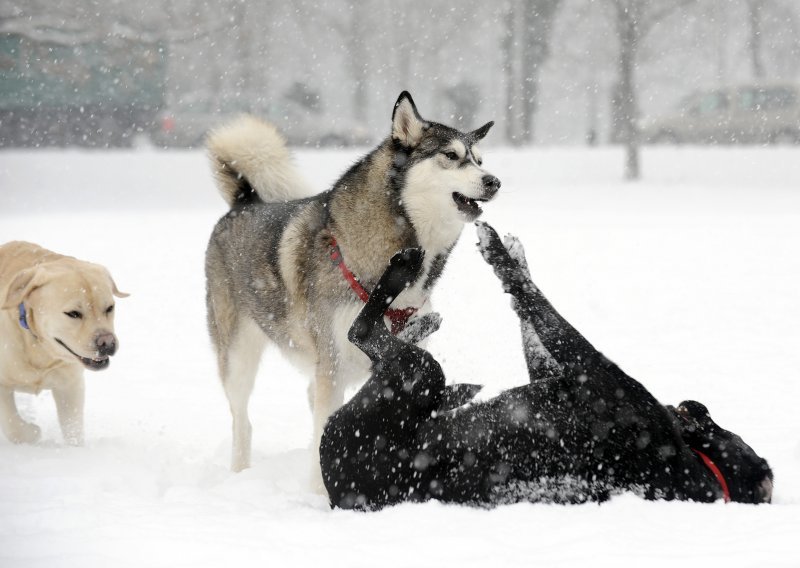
(399, 318)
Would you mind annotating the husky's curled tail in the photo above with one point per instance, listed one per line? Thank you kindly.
(250, 159)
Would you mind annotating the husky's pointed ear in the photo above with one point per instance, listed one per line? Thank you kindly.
(482, 131)
(407, 125)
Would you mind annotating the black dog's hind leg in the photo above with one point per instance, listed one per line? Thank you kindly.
(368, 332)
(563, 342)
(541, 363)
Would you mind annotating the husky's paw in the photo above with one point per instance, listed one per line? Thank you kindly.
(420, 328)
(315, 483)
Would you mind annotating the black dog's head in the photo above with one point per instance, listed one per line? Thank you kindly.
(748, 475)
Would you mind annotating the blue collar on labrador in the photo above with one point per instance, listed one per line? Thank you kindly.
(23, 318)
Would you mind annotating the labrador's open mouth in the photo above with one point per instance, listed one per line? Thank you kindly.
(91, 364)
(468, 205)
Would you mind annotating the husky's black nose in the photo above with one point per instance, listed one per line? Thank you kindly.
(490, 185)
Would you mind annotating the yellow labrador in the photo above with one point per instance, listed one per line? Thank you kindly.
(57, 318)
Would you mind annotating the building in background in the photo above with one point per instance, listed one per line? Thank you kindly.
(111, 73)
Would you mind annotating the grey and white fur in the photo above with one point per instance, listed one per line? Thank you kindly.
(269, 270)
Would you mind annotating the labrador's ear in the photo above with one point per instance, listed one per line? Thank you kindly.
(115, 290)
(407, 125)
(458, 395)
(25, 282)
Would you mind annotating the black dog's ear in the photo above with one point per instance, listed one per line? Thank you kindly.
(458, 395)
(481, 132)
(407, 125)
(696, 410)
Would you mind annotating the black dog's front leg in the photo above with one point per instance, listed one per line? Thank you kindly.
(369, 452)
(368, 331)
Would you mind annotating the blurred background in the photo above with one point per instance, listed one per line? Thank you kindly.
(120, 73)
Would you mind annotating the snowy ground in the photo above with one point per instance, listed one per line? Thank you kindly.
(689, 280)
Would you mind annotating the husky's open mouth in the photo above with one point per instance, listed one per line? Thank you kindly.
(468, 205)
(92, 364)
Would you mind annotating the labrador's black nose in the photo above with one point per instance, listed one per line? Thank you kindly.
(490, 185)
(106, 344)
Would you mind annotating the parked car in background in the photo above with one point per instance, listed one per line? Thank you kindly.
(751, 114)
(298, 115)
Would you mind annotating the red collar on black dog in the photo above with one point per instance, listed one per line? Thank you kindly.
(399, 318)
(726, 494)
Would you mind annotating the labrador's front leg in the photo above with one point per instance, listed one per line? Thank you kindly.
(14, 427)
(69, 399)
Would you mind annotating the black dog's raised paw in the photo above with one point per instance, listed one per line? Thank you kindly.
(408, 260)
(404, 268)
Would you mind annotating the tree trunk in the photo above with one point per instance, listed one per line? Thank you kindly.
(359, 56)
(244, 58)
(510, 67)
(537, 20)
(627, 109)
(755, 17)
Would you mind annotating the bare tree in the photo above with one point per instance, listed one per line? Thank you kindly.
(634, 20)
(772, 37)
(526, 47)
(755, 17)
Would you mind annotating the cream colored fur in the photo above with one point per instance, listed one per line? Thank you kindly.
(50, 286)
(257, 150)
(428, 198)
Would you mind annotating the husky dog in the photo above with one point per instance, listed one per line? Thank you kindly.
(297, 270)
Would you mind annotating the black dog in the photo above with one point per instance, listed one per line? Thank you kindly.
(582, 430)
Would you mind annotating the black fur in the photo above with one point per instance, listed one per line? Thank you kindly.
(437, 267)
(245, 194)
(583, 434)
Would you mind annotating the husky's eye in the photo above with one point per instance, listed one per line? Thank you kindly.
(74, 314)
(450, 155)
(109, 309)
